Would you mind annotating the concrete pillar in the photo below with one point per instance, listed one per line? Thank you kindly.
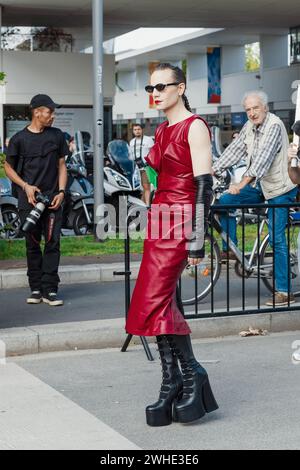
(274, 51)
(142, 77)
(196, 66)
(233, 59)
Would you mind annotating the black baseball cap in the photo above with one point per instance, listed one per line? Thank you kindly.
(43, 100)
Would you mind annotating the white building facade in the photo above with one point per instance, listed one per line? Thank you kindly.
(65, 74)
(278, 76)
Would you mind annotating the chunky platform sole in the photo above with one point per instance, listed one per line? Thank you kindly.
(34, 301)
(162, 417)
(53, 303)
(203, 403)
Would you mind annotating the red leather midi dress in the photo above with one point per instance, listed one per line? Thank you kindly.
(153, 310)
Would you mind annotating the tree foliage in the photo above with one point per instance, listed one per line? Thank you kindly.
(252, 53)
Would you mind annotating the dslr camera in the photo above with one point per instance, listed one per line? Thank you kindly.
(43, 201)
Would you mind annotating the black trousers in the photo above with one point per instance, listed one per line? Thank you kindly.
(43, 266)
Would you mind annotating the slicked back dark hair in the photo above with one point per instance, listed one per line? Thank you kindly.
(179, 77)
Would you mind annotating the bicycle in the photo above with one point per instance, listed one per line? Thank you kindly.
(256, 263)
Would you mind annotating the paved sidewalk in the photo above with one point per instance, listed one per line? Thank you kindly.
(13, 278)
(76, 394)
(73, 261)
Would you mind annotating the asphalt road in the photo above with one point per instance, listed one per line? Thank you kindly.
(85, 302)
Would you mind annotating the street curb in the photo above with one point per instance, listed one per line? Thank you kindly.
(16, 278)
(101, 334)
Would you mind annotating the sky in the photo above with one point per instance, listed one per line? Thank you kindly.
(144, 37)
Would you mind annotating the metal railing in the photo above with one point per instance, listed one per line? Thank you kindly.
(240, 280)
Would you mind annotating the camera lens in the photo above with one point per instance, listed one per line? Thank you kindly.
(33, 217)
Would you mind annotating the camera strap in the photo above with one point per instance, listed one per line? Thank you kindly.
(141, 148)
(50, 228)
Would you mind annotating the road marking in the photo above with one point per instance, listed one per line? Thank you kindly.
(34, 416)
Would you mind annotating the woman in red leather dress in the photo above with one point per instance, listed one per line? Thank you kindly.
(176, 227)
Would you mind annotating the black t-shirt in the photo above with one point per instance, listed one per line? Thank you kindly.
(38, 155)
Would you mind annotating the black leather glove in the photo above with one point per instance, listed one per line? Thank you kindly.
(200, 218)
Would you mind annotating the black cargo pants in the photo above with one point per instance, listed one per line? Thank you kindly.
(43, 266)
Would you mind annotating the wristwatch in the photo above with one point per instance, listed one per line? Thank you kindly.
(62, 191)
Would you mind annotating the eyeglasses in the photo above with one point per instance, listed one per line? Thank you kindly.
(158, 87)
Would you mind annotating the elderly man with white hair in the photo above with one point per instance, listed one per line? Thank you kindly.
(263, 143)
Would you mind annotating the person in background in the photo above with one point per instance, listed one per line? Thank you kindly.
(140, 146)
(234, 136)
(86, 138)
(6, 144)
(263, 143)
(72, 146)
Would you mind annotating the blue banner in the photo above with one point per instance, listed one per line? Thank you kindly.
(214, 74)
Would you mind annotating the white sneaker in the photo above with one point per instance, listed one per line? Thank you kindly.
(35, 298)
(52, 300)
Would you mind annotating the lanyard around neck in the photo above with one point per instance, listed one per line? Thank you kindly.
(141, 148)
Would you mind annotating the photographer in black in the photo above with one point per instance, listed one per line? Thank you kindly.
(35, 163)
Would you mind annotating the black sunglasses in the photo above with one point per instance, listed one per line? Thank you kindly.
(158, 87)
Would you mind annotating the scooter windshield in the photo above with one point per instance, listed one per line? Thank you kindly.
(119, 152)
(5, 187)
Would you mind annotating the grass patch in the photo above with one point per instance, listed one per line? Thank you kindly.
(86, 246)
(250, 236)
(2, 159)
(71, 246)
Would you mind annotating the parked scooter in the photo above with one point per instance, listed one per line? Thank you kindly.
(9, 216)
(122, 181)
(79, 202)
(216, 146)
(122, 189)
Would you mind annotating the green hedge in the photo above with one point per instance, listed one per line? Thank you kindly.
(2, 160)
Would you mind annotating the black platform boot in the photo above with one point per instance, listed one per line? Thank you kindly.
(197, 398)
(160, 413)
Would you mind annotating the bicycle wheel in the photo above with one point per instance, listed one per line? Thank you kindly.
(203, 273)
(266, 261)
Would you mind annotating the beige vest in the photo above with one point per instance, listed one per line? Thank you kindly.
(276, 181)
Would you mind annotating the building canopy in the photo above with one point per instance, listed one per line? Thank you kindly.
(121, 16)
